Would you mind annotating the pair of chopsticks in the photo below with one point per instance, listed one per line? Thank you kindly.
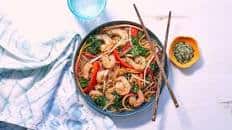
(159, 63)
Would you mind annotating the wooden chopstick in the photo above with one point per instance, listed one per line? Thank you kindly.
(162, 64)
(157, 60)
(143, 26)
(166, 38)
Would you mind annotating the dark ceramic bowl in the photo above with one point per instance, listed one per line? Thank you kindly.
(89, 100)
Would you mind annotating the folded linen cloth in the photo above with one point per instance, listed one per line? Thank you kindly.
(37, 88)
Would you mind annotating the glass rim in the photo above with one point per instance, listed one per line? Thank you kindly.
(81, 16)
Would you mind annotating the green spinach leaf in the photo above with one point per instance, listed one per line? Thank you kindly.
(101, 101)
(93, 45)
(138, 50)
(154, 67)
(117, 101)
(135, 88)
(83, 82)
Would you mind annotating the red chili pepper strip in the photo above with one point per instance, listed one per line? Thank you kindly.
(126, 48)
(88, 55)
(118, 58)
(93, 80)
(134, 32)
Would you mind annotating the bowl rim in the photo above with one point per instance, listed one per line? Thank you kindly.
(87, 99)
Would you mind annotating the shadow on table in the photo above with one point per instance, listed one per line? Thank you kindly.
(164, 98)
(88, 25)
(145, 117)
(181, 112)
(184, 119)
(197, 66)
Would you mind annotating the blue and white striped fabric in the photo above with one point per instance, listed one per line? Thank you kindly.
(37, 89)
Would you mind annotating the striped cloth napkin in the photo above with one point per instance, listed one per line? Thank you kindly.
(37, 89)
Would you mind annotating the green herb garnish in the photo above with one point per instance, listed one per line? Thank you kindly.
(183, 52)
(154, 67)
(120, 48)
(93, 45)
(100, 101)
(138, 50)
(148, 78)
(140, 34)
(117, 101)
(135, 88)
(128, 76)
(83, 82)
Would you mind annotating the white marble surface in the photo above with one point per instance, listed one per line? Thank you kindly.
(200, 90)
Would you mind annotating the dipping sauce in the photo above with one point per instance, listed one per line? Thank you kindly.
(183, 52)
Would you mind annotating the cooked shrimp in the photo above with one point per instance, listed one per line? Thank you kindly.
(108, 43)
(122, 86)
(139, 63)
(109, 94)
(116, 38)
(86, 70)
(102, 75)
(95, 93)
(98, 87)
(108, 61)
(137, 102)
(123, 34)
(119, 72)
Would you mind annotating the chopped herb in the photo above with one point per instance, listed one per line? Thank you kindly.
(183, 52)
(128, 76)
(100, 101)
(135, 88)
(140, 34)
(83, 82)
(120, 48)
(93, 45)
(154, 67)
(117, 101)
(138, 50)
(148, 78)
(135, 41)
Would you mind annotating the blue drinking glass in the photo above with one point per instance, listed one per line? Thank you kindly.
(86, 9)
